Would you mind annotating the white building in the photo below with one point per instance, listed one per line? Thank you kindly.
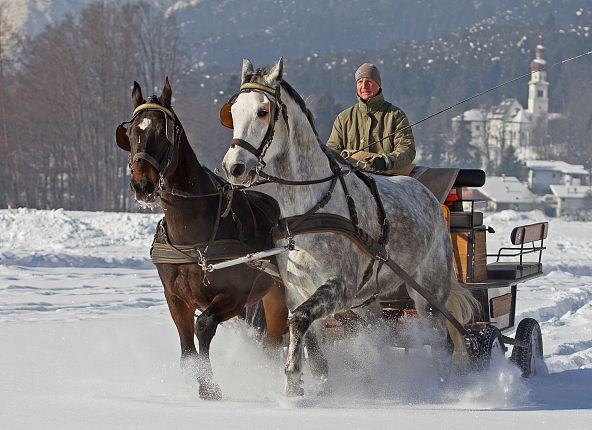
(492, 129)
(571, 199)
(507, 192)
(543, 174)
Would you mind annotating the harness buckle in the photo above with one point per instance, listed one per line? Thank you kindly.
(202, 261)
(291, 246)
(381, 258)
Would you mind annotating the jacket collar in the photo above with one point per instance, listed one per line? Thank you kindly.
(372, 104)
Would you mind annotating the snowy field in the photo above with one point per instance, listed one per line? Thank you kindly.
(87, 342)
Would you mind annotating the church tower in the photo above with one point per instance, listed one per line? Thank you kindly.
(538, 87)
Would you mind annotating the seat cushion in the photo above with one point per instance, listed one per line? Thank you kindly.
(509, 270)
(464, 219)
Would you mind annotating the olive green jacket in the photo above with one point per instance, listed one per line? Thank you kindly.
(366, 122)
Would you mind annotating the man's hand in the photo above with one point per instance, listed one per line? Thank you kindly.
(379, 163)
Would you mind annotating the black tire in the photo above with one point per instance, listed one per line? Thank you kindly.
(529, 358)
(491, 346)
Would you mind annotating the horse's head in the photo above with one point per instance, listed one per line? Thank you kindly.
(150, 139)
(252, 113)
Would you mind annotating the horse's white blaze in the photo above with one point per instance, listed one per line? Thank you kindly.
(145, 124)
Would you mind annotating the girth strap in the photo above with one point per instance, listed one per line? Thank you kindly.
(328, 223)
(165, 253)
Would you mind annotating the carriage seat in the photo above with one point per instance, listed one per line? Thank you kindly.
(507, 270)
(528, 239)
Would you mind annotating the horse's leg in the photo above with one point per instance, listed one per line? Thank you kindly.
(316, 358)
(327, 299)
(276, 313)
(183, 316)
(222, 308)
(441, 344)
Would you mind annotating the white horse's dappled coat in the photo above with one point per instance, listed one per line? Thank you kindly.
(322, 276)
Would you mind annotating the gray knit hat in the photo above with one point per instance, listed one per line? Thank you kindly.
(368, 70)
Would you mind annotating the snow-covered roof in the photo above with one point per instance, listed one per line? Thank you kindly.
(556, 166)
(507, 108)
(522, 116)
(571, 191)
(507, 189)
(473, 115)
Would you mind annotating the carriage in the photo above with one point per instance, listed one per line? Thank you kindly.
(493, 284)
(335, 215)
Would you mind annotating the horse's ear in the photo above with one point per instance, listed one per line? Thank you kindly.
(137, 98)
(165, 96)
(247, 70)
(274, 77)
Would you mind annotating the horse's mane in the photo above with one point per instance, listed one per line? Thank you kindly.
(258, 75)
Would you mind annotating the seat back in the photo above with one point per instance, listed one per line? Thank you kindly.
(529, 233)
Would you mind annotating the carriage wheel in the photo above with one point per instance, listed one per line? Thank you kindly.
(529, 358)
(491, 346)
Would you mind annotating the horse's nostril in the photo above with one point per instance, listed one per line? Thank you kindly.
(136, 186)
(237, 170)
(142, 186)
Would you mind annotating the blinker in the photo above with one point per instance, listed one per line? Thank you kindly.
(121, 137)
(226, 115)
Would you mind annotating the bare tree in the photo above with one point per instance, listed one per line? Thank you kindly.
(10, 176)
(74, 86)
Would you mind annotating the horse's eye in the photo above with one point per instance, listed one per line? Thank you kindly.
(261, 113)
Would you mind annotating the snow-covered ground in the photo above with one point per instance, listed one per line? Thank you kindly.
(87, 342)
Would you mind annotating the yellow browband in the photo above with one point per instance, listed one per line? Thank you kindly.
(153, 106)
(253, 86)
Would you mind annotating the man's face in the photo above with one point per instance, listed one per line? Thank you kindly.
(367, 88)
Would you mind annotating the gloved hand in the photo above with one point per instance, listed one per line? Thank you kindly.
(379, 163)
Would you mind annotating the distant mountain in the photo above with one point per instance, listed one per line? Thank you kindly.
(474, 56)
(29, 17)
(220, 31)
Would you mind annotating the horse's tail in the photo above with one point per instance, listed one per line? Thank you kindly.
(461, 303)
(463, 306)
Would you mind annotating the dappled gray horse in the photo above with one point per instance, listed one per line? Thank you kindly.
(327, 272)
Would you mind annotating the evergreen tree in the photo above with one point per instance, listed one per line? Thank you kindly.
(463, 153)
(510, 164)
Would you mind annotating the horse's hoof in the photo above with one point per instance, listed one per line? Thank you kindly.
(323, 388)
(210, 392)
(294, 390)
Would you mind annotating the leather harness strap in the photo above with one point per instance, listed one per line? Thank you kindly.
(331, 223)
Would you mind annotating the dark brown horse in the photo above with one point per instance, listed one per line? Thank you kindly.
(203, 222)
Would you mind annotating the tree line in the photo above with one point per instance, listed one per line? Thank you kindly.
(62, 94)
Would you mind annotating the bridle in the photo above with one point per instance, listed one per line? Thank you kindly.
(276, 105)
(172, 131)
(169, 162)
